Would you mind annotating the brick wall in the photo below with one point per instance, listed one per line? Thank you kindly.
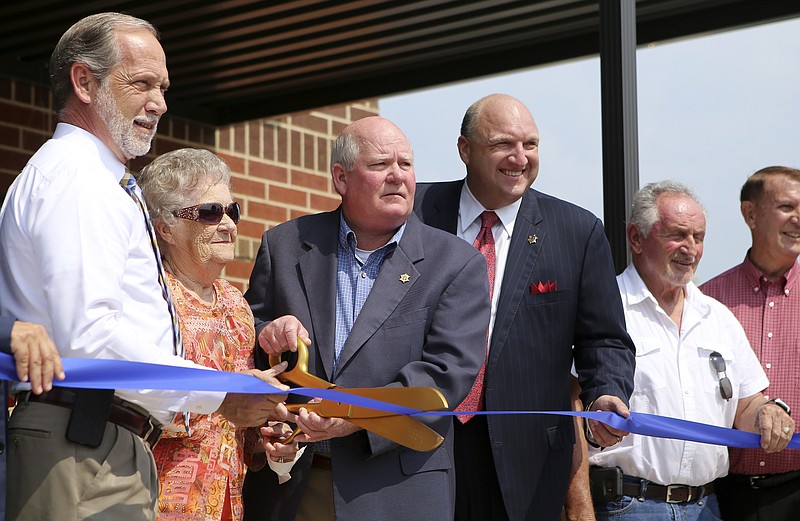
(279, 164)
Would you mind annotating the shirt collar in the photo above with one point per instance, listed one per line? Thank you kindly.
(636, 292)
(104, 154)
(470, 209)
(755, 276)
(347, 237)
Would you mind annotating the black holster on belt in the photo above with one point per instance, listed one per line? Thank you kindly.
(605, 483)
(87, 423)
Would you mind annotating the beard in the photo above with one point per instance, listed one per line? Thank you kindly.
(123, 132)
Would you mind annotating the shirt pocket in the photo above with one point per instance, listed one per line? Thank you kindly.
(711, 385)
(650, 374)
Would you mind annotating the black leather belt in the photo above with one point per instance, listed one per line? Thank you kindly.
(766, 480)
(122, 413)
(668, 493)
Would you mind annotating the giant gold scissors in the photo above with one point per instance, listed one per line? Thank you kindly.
(401, 429)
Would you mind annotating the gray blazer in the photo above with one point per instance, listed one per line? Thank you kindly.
(430, 331)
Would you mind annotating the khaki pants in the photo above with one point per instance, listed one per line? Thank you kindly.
(52, 478)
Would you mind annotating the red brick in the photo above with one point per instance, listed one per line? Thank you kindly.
(5, 182)
(254, 140)
(269, 140)
(271, 172)
(238, 138)
(356, 114)
(9, 136)
(267, 212)
(337, 127)
(22, 93)
(178, 129)
(195, 132)
(239, 269)
(24, 116)
(249, 187)
(322, 203)
(41, 97)
(297, 149)
(235, 163)
(31, 141)
(283, 145)
(314, 181)
(286, 195)
(250, 229)
(309, 122)
(164, 145)
(225, 138)
(308, 151)
(323, 154)
(5, 87)
(13, 160)
(339, 111)
(294, 214)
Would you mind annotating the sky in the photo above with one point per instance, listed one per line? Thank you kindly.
(711, 111)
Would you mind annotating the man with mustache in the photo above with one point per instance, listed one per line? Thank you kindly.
(693, 362)
(761, 292)
(76, 256)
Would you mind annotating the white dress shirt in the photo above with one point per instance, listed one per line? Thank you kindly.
(75, 256)
(469, 225)
(674, 378)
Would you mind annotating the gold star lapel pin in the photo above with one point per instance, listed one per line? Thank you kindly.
(532, 239)
(404, 278)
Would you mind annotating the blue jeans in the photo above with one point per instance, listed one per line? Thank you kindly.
(631, 509)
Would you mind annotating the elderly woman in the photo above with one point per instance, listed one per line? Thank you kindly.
(188, 193)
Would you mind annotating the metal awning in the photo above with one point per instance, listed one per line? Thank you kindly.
(235, 60)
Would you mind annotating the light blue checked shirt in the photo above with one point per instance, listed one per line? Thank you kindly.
(354, 281)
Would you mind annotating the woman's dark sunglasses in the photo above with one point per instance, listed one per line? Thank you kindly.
(210, 213)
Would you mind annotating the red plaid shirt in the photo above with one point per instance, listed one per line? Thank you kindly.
(770, 315)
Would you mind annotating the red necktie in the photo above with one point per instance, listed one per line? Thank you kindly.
(484, 242)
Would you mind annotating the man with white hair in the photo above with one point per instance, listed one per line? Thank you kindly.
(693, 362)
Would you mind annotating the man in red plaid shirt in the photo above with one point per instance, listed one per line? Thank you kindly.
(764, 294)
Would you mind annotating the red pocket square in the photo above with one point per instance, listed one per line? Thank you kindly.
(543, 287)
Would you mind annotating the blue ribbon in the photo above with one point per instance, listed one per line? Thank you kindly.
(119, 374)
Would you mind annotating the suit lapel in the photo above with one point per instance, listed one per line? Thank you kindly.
(522, 255)
(387, 292)
(318, 272)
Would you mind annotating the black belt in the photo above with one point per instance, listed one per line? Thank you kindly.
(766, 480)
(668, 493)
(122, 413)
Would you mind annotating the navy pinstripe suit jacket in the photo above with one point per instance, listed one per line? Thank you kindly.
(531, 350)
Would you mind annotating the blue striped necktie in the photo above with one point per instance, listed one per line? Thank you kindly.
(128, 182)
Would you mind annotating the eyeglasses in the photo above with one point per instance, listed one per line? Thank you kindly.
(725, 387)
(210, 213)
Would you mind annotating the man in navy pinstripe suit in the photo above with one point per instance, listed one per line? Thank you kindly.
(554, 289)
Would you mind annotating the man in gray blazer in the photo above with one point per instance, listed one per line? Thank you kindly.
(555, 300)
(383, 300)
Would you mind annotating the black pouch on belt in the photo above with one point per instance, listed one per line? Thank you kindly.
(87, 423)
(605, 483)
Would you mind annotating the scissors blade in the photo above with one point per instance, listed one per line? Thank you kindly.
(420, 398)
(402, 430)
